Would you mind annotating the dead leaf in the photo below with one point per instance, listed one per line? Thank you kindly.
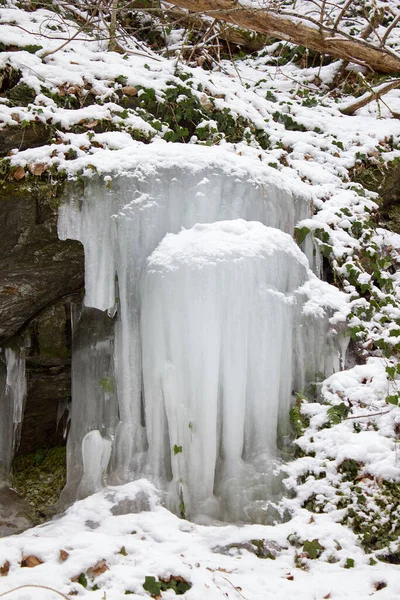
(37, 168)
(89, 124)
(31, 561)
(16, 117)
(19, 173)
(288, 576)
(206, 102)
(4, 569)
(379, 585)
(129, 90)
(327, 596)
(63, 555)
(98, 569)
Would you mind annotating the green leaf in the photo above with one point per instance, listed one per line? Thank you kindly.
(337, 413)
(107, 384)
(152, 586)
(393, 400)
(82, 580)
(349, 564)
(313, 548)
(301, 233)
(177, 450)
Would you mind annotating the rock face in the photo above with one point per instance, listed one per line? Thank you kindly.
(39, 278)
(36, 267)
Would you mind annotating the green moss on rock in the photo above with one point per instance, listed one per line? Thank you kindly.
(40, 477)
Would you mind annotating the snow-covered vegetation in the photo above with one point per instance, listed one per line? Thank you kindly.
(279, 111)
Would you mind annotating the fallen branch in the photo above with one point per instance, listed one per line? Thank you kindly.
(298, 30)
(370, 97)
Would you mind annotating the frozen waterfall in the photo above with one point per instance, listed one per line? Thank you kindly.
(191, 382)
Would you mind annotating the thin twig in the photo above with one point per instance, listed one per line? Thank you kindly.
(368, 415)
(234, 587)
(389, 29)
(43, 587)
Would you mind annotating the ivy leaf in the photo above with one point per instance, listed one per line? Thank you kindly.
(177, 450)
(152, 586)
(393, 400)
(301, 233)
(313, 548)
(349, 564)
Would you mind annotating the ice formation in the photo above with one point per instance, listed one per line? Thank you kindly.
(12, 399)
(205, 351)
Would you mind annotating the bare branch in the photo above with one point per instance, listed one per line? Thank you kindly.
(367, 98)
(294, 28)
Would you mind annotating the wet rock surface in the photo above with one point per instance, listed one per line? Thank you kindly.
(36, 267)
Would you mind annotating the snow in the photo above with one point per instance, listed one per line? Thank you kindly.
(215, 560)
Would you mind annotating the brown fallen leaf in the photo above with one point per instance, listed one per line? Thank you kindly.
(327, 596)
(63, 555)
(37, 168)
(288, 576)
(4, 569)
(31, 561)
(98, 569)
(89, 124)
(19, 173)
(129, 90)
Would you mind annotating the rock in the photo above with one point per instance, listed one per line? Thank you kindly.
(261, 548)
(35, 134)
(15, 514)
(36, 268)
(127, 506)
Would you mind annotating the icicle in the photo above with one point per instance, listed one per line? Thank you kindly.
(12, 402)
(94, 405)
(16, 390)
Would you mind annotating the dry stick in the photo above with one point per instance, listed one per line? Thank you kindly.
(43, 587)
(113, 25)
(375, 95)
(389, 29)
(234, 587)
(341, 14)
(368, 415)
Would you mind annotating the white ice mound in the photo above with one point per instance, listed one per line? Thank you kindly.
(218, 319)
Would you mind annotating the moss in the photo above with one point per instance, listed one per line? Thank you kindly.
(21, 95)
(40, 477)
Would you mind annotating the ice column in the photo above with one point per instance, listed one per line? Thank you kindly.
(217, 308)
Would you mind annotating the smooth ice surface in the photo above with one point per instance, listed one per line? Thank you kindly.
(12, 400)
(120, 222)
